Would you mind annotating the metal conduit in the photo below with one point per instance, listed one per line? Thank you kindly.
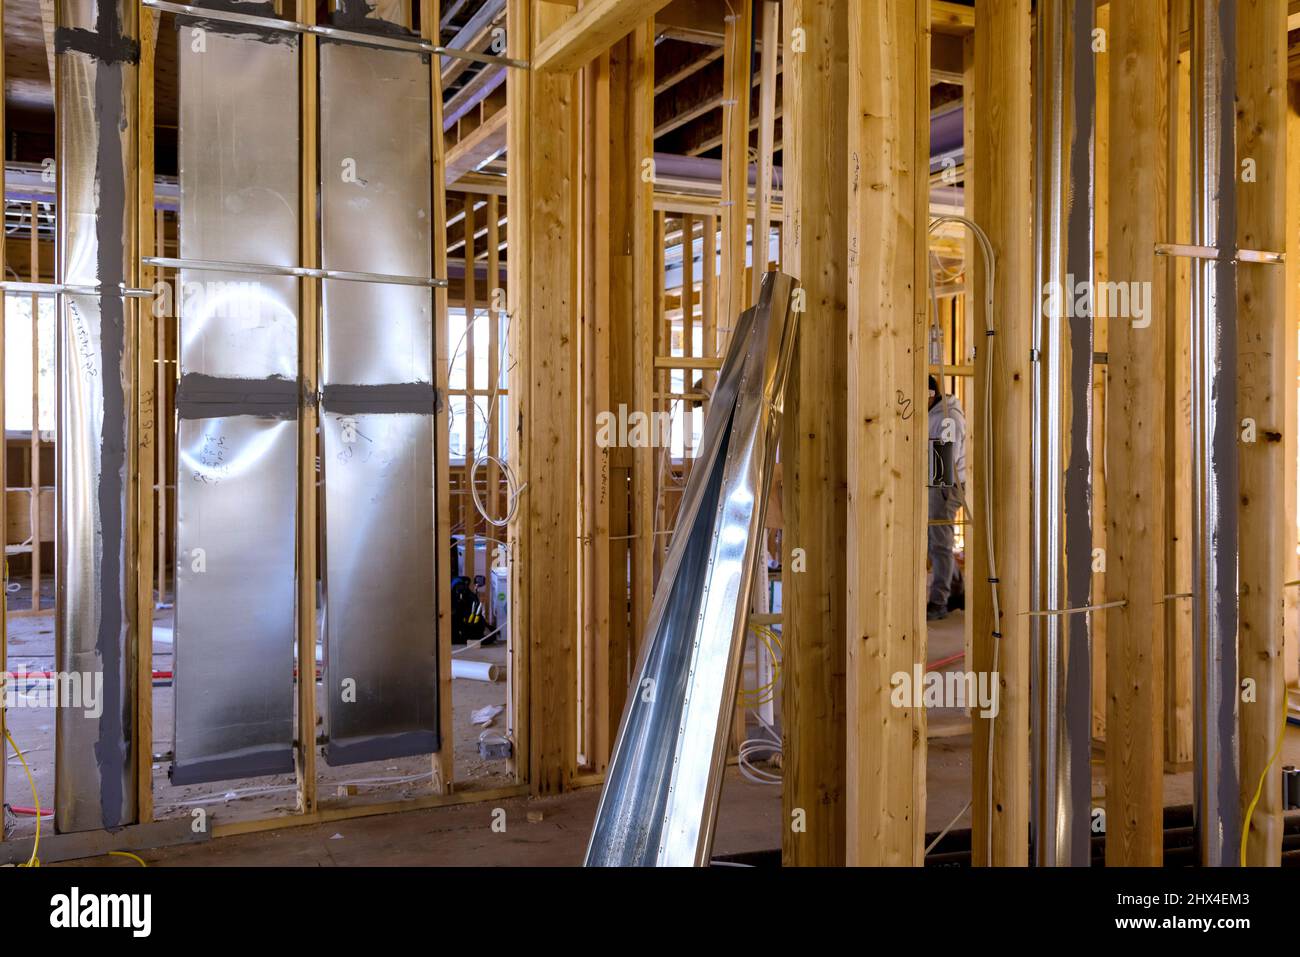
(1062, 461)
(1214, 417)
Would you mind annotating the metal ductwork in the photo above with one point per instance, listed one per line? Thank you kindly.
(1214, 432)
(661, 792)
(1061, 664)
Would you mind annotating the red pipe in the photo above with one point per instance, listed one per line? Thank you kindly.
(945, 661)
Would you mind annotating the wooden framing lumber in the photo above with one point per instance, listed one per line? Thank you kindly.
(481, 144)
(1291, 447)
(1261, 377)
(308, 417)
(766, 135)
(640, 263)
(590, 31)
(4, 579)
(735, 166)
(1178, 429)
(1100, 338)
(443, 763)
(147, 425)
(544, 293)
(1135, 434)
(1000, 826)
(814, 441)
(888, 84)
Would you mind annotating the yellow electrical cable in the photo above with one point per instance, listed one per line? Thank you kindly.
(138, 860)
(754, 697)
(32, 861)
(1259, 789)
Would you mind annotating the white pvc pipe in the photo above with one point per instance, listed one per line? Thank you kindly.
(475, 670)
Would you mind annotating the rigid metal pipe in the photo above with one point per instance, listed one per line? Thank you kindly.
(1060, 632)
(261, 269)
(387, 41)
(1214, 429)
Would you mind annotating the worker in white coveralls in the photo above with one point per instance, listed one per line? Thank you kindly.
(947, 491)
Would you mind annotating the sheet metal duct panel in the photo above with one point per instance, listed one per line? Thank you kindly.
(380, 610)
(661, 791)
(235, 601)
(236, 489)
(377, 428)
(94, 750)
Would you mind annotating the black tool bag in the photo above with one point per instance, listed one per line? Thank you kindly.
(468, 621)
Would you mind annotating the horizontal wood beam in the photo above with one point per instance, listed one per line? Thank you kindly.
(591, 31)
(487, 140)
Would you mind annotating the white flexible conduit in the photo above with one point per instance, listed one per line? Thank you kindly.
(986, 443)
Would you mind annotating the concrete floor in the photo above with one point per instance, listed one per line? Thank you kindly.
(750, 817)
(31, 648)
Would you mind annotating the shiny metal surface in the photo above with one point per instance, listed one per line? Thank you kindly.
(411, 43)
(380, 569)
(1214, 434)
(94, 752)
(381, 652)
(236, 489)
(236, 483)
(1060, 644)
(660, 799)
(262, 269)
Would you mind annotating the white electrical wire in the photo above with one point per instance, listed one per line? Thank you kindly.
(513, 488)
(990, 279)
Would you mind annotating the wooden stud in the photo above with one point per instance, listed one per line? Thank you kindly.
(644, 284)
(308, 355)
(888, 83)
(34, 472)
(4, 578)
(1000, 832)
(1178, 426)
(518, 198)
(1100, 329)
(814, 440)
(1135, 440)
(1291, 448)
(575, 41)
(543, 207)
(770, 50)
(147, 425)
(443, 763)
(735, 166)
(1261, 371)
(470, 566)
(688, 336)
(163, 373)
(709, 298)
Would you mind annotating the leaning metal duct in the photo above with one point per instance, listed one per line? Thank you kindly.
(660, 800)
(378, 400)
(237, 404)
(1062, 565)
(95, 111)
(1214, 433)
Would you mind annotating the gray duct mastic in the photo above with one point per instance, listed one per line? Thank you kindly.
(1060, 645)
(660, 799)
(1214, 433)
(96, 56)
